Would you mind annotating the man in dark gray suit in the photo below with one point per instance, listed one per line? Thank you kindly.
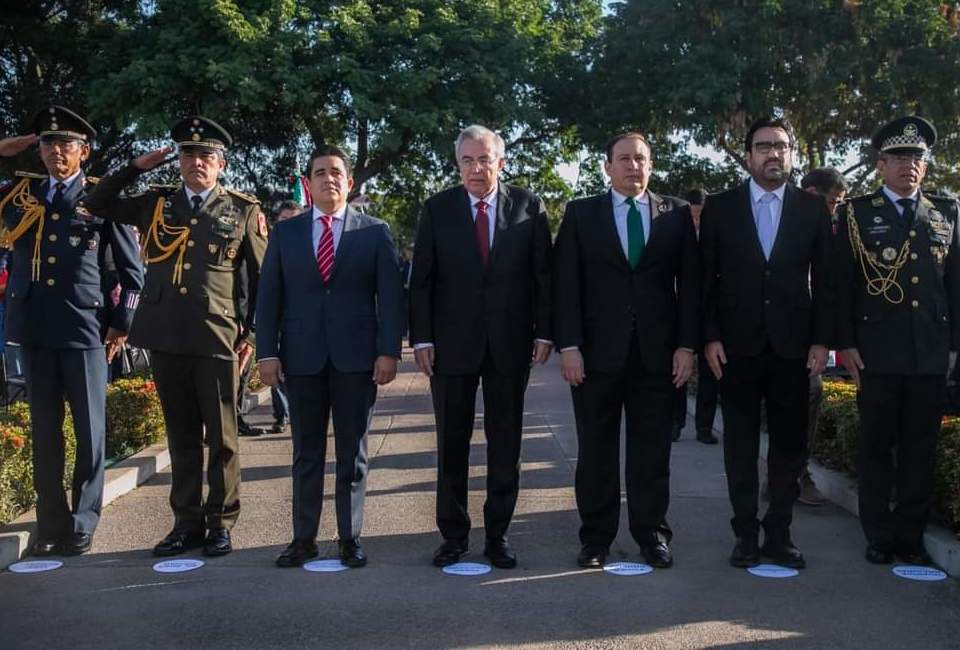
(328, 323)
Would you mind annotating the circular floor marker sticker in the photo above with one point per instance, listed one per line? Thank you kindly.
(628, 568)
(914, 572)
(35, 566)
(177, 566)
(325, 566)
(772, 571)
(467, 569)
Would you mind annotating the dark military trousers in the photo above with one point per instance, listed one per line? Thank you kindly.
(199, 399)
(80, 376)
(350, 397)
(899, 428)
(783, 386)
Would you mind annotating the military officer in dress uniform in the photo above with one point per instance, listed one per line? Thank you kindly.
(899, 329)
(194, 237)
(57, 310)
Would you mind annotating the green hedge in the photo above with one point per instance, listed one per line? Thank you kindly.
(836, 446)
(134, 421)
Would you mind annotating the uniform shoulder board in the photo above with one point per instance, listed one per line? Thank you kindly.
(163, 188)
(29, 174)
(240, 195)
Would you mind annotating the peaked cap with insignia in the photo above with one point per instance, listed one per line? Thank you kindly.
(911, 134)
(198, 131)
(60, 121)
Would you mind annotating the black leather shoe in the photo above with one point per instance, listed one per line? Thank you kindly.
(913, 555)
(249, 431)
(76, 543)
(450, 552)
(878, 553)
(781, 550)
(500, 554)
(217, 542)
(45, 547)
(592, 557)
(745, 553)
(351, 554)
(279, 426)
(297, 552)
(177, 542)
(706, 437)
(657, 555)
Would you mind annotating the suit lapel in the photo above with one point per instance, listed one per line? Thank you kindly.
(747, 222)
(608, 229)
(303, 235)
(505, 219)
(657, 208)
(467, 226)
(351, 221)
(787, 219)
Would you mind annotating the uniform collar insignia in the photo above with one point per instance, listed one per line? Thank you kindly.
(877, 201)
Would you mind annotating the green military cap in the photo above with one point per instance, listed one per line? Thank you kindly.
(198, 131)
(907, 135)
(59, 121)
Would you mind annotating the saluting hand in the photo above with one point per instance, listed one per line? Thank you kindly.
(16, 144)
(384, 370)
(153, 159)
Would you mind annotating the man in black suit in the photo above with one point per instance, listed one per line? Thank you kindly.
(480, 312)
(328, 323)
(626, 296)
(765, 248)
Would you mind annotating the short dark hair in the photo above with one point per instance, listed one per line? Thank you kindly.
(696, 196)
(771, 123)
(627, 135)
(824, 180)
(330, 150)
(289, 205)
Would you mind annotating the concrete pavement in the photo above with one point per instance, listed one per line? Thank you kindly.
(112, 598)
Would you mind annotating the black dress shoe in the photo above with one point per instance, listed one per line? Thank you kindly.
(592, 557)
(297, 552)
(781, 550)
(278, 427)
(657, 555)
(177, 542)
(217, 542)
(706, 437)
(45, 547)
(76, 543)
(913, 555)
(500, 554)
(249, 431)
(450, 552)
(351, 554)
(745, 553)
(878, 553)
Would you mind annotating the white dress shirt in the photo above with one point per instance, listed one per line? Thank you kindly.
(894, 197)
(776, 207)
(67, 182)
(203, 195)
(620, 210)
(336, 223)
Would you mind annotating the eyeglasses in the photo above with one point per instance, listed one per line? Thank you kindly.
(766, 147)
(483, 161)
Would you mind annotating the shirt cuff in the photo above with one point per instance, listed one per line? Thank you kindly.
(548, 342)
(422, 346)
(572, 347)
(269, 359)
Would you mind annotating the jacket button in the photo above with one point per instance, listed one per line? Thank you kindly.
(51, 282)
(767, 273)
(186, 266)
(915, 303)
(55, 216)
(866, 318)
(915, 280)
(913, 256)
(183, 291)
(328, 292)
(193, 222)
(52, 237)
(190, 243)
(96, 303)
(51, 260)
(913, 233)
(767, 301)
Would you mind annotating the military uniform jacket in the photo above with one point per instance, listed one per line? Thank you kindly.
(910, 329)
(59, 298)
(189, 304)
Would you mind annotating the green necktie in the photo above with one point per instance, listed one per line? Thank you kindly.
(635, 241)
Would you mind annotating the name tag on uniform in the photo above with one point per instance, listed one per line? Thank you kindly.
(878, 230)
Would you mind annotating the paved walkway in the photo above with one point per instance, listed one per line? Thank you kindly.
(112, 598)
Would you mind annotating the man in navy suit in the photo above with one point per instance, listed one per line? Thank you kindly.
(60, 312)
(328, 324)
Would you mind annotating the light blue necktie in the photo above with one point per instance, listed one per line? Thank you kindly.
(765, 228)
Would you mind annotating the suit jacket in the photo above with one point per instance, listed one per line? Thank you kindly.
(349, 321)
(600, 301)
(914, 334)
(750, 302)
(463, 307)
(70, 305)
(192, 311)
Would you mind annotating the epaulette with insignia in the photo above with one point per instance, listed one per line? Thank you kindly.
(241, 195)
(29, 174)
(164, 188)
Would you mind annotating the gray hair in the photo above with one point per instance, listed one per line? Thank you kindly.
(477, 132)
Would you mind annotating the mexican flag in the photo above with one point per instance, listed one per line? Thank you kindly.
(300, 190)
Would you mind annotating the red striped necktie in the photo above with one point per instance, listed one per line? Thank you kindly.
(325, 248)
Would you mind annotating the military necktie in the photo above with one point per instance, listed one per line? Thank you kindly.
(58, 193)
(482, 226)
(908, 213)
(635, 239)
(196, 199)
(325, 248)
